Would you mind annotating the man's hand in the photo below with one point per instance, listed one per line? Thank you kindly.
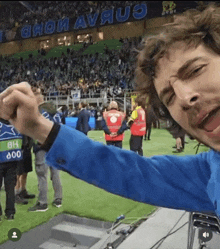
(113, 134)
(130, 122)
(18, 105)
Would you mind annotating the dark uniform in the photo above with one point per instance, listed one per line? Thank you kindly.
(83, 121)
(10, 154)
(25, 165)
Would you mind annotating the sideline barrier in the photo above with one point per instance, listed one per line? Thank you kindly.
(71, 121)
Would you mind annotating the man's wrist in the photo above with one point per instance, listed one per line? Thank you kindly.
(42, 129)
(51, 137)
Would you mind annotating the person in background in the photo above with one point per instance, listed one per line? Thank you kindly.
(179, 135)
(150, 119)
(24, 167)
(83, 119)
(114, 125)
(93, 111)
(64, 111)
(42, 168)
(10, 156)
(148, 126)
(137, 123)
(71, 111)
(98, 117)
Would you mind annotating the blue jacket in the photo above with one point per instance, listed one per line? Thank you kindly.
(83, 121)
(189, 183)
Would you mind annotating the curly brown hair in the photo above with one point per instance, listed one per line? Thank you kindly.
(193, 27)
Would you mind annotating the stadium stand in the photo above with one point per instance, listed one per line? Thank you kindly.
(105, 66)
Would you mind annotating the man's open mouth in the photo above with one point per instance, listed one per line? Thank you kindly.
(211, 121)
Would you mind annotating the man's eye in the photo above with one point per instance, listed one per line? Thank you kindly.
(169, 100)
(196, 71)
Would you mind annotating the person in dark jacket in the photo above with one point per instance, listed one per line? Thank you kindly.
(64, 111)
(83, 119)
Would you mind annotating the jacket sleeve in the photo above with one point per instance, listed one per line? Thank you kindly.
(123, 127)
(78, 123)
(105, 127)
(166, 181)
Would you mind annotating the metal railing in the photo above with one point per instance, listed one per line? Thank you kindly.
(99, 99)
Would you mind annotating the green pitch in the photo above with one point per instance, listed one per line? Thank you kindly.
(83, 199)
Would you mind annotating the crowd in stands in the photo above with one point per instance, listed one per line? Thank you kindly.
(14, 15)
(110, 72)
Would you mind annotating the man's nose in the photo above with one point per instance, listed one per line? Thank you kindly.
(186, 94)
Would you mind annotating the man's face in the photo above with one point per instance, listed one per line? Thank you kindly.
(188, 83)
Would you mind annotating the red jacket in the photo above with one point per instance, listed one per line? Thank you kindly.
(114, 119)
(138, 128)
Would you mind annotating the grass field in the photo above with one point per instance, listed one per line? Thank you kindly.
(83, 199)
(57, 51)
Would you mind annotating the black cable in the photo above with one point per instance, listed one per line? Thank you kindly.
(202, 247)
(169, 233)
(162, 239)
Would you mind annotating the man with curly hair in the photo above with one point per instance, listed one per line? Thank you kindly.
(179, 71)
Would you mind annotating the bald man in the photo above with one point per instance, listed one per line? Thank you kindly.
(114, 125)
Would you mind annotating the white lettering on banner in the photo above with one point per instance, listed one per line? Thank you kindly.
(13, 144)
(8, 156)
(18, 154)
(114, 114)
(13, 155)
(9, 145)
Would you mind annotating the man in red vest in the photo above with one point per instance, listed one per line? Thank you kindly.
(114, 125)
(137, 123)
